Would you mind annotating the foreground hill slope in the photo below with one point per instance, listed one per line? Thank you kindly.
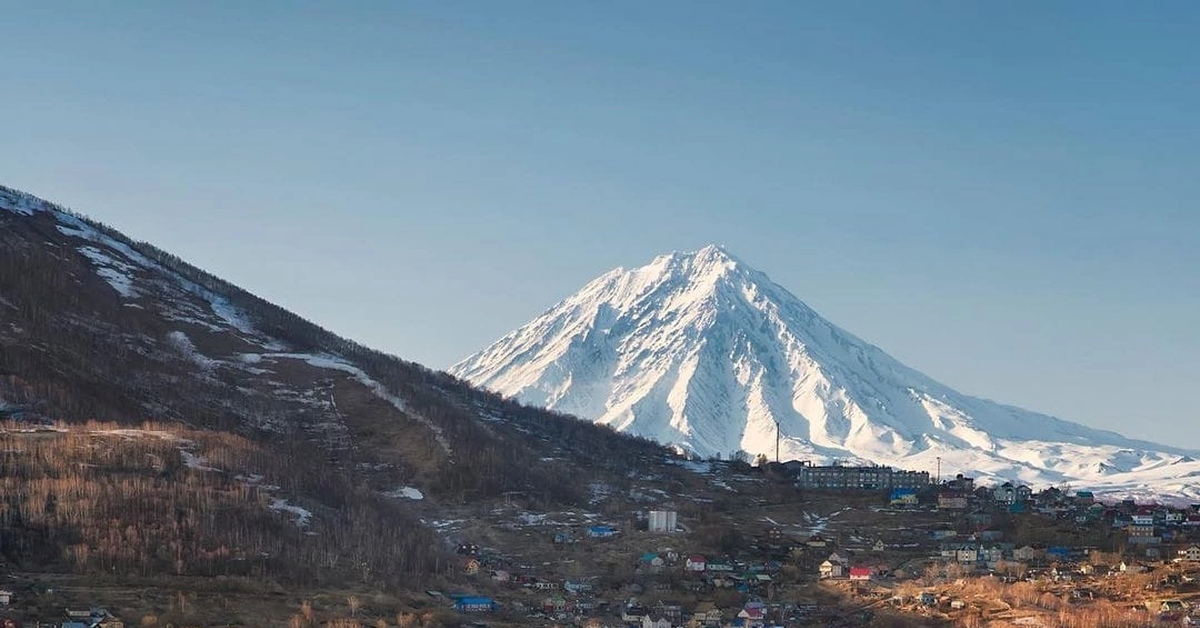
(701, 351)
(345, 448)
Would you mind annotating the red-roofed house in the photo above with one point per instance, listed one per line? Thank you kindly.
(860, 573)
(752, 617)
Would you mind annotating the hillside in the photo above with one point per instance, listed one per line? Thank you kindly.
(95, 327)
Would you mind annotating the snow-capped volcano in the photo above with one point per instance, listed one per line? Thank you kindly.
(701, 351)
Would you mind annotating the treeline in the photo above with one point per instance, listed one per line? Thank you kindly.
(102, 498)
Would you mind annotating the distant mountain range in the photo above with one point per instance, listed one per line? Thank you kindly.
(702, 352)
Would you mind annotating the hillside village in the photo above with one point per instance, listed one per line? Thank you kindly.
(911, 550)
(758, 550)
(724, 544)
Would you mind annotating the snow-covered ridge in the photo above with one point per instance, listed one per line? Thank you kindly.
(139, 281)
(701, 351)
(19, 202)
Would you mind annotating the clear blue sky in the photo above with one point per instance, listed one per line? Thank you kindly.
(1002, 195)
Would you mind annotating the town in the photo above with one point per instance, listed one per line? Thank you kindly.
(886, 541)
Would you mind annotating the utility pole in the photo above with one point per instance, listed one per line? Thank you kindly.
(776, 441)
(938, 481)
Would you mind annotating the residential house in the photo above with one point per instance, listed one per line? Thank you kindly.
(860, 573)
(707, 614)
(5, 597)
(601, 532)
(633, 614)
(830, 569)
(670, 609)
(577, 586)
(960, 484)
(662, 520)
(1005, 493)
(816, 540)
(93, 617)
(695, 563)
(1190, 554)
(752, 616)
(1050, 497)
(1027, 554)
(903, 497)
(718, 566)
(967, 555)
(991, 554)
(952, 501)
(651, 560)
(475, 604)
(652, 621)
(1137, 534)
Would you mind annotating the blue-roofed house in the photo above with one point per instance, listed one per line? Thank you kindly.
(601, 532)
(903, 497)
(1058, 552)
(475, 604)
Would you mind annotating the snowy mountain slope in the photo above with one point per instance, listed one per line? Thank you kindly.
(94, 325)
(703, 352)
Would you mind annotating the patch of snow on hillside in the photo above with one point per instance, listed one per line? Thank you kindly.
(184, 345)
(20, 202)
(378, 389)
(406, 492)
(115, 272)
(196, 462)
(303, 516)
(129, 432)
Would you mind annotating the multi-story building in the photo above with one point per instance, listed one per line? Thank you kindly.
(873, 478)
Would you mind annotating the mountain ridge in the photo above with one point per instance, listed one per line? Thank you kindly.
(702, 351)
(349, 454)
